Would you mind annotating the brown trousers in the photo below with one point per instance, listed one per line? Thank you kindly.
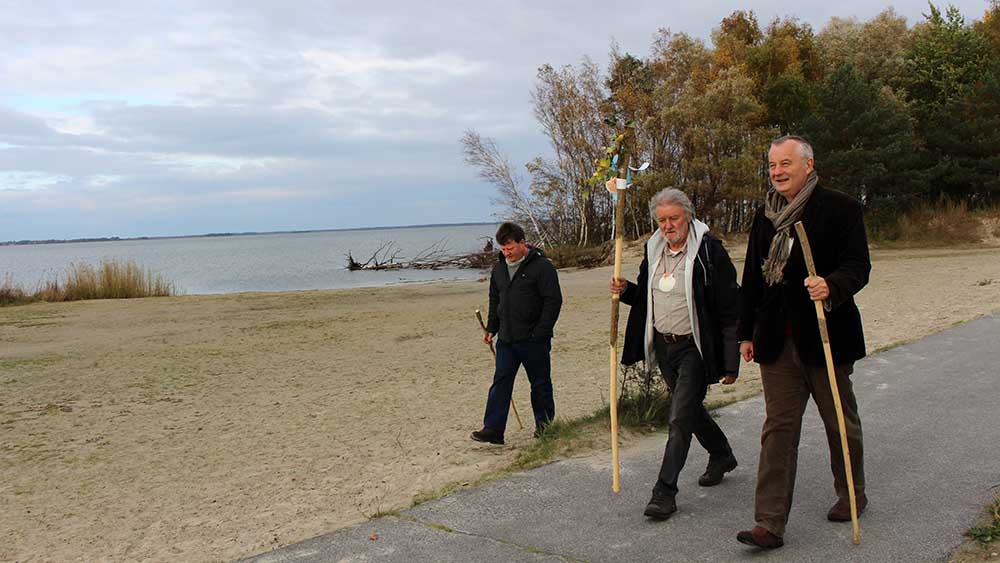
(788, 384)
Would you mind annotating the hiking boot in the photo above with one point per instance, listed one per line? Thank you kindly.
(841, 512)
(488, 435)
(759, 537)
(716, 470)
(661, 506)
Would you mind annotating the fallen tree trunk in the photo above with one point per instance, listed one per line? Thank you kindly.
(433, 257)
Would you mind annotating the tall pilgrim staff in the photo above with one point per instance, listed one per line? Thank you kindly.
(621, 179)
(825, 336)
(615, 185)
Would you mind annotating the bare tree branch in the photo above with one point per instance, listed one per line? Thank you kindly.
(483, 154)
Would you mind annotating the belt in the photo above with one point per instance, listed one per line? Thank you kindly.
(672, 338)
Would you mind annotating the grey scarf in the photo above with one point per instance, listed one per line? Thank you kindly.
(783, 215)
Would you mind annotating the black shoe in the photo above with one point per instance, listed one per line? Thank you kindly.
(660, 507)
(488, 435)
(716, 470)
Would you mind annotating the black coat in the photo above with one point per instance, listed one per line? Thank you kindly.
(528, 305)
(716, 297)
(834, 223)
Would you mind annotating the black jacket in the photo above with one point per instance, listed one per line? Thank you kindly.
(528, 305)
(834, 223)
(716, 298)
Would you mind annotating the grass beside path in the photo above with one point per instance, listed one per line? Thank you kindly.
(984, 540)
(564, 439)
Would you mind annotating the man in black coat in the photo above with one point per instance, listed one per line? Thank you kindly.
(524, 304)
(683, 318)
(778, 329)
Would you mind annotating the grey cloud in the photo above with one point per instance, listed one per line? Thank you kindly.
(16, 127)
(206, 98)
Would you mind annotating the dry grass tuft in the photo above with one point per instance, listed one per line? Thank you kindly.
(112, 279)
(11, 294)
(945, 224)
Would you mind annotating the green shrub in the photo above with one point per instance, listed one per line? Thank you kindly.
(643, 400)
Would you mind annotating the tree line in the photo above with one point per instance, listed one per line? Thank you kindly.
(900, 117)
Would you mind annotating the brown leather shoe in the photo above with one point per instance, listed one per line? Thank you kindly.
(841, 512)
(759, 537)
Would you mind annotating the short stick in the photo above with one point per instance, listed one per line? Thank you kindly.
(513, 407)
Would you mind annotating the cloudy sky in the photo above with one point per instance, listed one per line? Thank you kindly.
(167, 118)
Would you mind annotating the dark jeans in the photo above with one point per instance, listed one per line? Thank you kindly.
(788, 384)
(684, 371)
(534, 354)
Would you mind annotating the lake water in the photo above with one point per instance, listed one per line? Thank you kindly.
(264, 262)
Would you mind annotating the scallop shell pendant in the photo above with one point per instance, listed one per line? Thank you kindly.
(667, 283)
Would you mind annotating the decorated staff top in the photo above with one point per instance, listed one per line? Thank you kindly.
(608, 166)
(615, 184)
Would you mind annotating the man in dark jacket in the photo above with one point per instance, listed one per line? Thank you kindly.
(524, 304)
(683, 317)
(778, 329)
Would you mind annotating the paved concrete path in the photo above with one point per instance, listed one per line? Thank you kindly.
(932, 434)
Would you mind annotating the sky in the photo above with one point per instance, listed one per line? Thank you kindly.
(180, 118)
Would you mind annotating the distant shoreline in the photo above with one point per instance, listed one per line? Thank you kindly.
(241, 234)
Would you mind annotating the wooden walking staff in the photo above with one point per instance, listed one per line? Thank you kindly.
(611, 165)
(825, 336)
(616, 186)
(513, 407)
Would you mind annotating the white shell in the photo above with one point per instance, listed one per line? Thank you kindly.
(667, 283)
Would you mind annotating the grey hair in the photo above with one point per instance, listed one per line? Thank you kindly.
(671, 196)
(805, 149)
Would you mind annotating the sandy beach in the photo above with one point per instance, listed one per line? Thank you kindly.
(205, 428)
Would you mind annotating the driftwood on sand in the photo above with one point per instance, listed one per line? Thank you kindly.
(435, 256)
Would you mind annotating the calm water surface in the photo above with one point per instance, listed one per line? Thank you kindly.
(267, 262)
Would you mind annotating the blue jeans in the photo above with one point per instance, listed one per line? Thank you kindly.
(534, 354)
(684, 371)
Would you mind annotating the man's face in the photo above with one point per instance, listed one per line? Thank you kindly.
(674, 223)
(789, 170)
(514, 251)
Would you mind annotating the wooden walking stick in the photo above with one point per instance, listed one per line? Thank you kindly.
(513, 407)
(825, 336)
(619, 227)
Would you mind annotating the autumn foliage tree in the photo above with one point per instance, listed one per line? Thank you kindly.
(899, 116)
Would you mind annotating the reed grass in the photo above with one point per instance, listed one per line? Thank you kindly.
(944, 224)
(11, 294)
(111, 279)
